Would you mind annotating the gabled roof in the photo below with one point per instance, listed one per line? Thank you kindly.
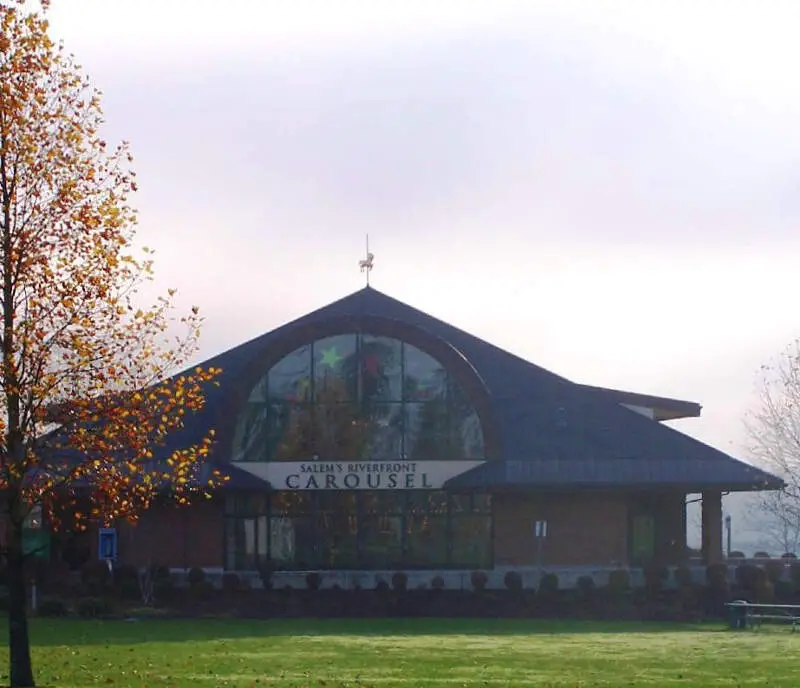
(552, 431)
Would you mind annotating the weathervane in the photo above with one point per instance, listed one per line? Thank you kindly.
(367, 264)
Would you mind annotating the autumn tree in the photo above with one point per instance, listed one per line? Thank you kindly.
(86, 397)
(773, 436)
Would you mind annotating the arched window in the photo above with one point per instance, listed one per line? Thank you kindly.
(357, 397)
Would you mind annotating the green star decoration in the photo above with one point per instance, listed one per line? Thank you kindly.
(330, 357)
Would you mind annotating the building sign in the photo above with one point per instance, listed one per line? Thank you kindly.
(358, 475)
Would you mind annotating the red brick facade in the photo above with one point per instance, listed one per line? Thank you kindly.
(583, 529)
(176, 537)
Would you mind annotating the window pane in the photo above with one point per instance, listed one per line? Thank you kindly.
(381, 542)
(424, 376)
(290, 378)
(252, 434)
(292, 435)
(335, 369)
(427, 540)
(384, 436)
(472, 541)
(337, 538)
(292, 543)
(290, 503)
(427, 432)
(466, 433)
(381, 369)
(339, 432)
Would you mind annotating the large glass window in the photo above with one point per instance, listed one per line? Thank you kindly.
(414, 529)
(357, 396)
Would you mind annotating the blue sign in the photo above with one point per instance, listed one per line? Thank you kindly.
(107, 544)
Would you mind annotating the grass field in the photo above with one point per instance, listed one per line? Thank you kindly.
(394, 653)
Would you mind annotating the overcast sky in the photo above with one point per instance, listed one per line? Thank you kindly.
(607, 189)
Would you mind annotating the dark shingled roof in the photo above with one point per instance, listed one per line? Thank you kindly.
(552, 432)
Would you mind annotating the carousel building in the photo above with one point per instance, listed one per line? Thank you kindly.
(368, 436)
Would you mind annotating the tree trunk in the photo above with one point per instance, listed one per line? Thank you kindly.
(19, 646)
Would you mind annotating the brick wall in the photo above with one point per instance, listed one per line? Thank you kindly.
(176, 538)
(583, 529)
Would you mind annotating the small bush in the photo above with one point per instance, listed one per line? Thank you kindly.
(94, 607)
(196, 576)
(125, 573)
(204, 590)
(765, 592)
(400, 581)
(382, 587)
(736, 555)
(265, 573)
(619, 580)
(52, 607)
(717, 576)
(163, 591)
(313, 581)
(437, 583)
(585, 585)
(548, 585)
(513, 581)
(788, 555)
(95, 577)
(479, 580)
(655, 576)
(784, 592)
(683, 577)
(129, 590)
(230, 582)
(747, 576)
(761, 555)
(774, 570)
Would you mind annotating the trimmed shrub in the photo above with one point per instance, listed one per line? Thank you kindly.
(313, 581)
(195, 576)
(437, 583)
(52, 607)
(548, 585)
(163, 590)
(400, 581)
(265, 573)
(655, 576)
(204, 590)
(129, 590)
(765, 592)
(479, 580)
(747, 576)
(513, 581)
(774, 570)
(717, 576)
(619, 580)
(230, 582)
(784, 592)
(736, 555)
(125, 573)
(382, 587)
(788, 555)
(683, 577)
(95, 577)
(94, 607)
(761, 555)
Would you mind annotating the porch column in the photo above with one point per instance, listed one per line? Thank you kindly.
(712, 527)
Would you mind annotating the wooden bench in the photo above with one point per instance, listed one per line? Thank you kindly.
(755, 614)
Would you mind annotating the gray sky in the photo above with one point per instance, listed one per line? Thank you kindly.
(607, 189)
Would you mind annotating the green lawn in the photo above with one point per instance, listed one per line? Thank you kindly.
(419, 652)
